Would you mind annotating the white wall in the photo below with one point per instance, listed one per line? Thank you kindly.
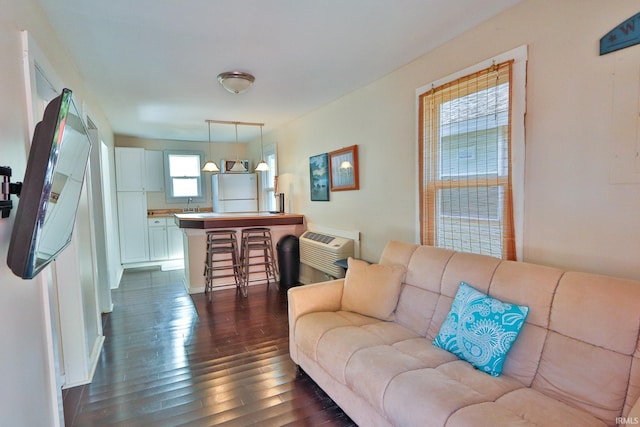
(28, 395)
(576, 216)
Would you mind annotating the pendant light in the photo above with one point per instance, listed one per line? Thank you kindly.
(237, 166)
(262, 166)
(210, 165)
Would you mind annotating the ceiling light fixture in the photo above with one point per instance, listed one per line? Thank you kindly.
(237, 166)
(236, 81)
(262, 166)
(210, 165)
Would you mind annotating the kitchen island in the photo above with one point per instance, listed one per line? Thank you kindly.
(196, 225)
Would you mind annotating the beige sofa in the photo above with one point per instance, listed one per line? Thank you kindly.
(576, 361)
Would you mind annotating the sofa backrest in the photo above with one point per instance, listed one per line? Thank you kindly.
(580, 341)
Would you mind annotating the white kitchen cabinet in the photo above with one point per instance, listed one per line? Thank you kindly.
(154, 166)
(143, 240)
(130, 169)
(175, 241)
(132, 220)
(157, 238)
(165, 239)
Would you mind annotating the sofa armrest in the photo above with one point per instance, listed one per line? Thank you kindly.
(324, 296)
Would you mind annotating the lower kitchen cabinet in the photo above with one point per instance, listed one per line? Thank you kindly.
(134, 238)
(165, 240)
(175, 239)
(157, 239)
(146, 240)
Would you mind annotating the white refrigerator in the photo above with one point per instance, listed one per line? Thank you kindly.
(234, 192)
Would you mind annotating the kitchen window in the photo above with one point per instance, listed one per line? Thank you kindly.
(183, 178)
(467, 146)
(267, 180)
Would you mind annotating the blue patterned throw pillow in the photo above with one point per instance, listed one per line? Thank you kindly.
(481, 329)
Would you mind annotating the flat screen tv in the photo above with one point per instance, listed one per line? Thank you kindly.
(48, 199)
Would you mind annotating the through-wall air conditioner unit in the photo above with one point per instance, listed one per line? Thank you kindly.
(321, 251)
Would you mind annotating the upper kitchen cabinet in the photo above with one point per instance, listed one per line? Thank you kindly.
(154, 166)
(138, 169)
(130, 169)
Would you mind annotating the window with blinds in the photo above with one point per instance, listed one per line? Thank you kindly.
(465, 164)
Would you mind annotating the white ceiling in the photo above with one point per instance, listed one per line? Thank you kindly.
(152, 64)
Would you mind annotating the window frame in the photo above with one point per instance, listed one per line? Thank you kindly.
(518, 110)
(267, 189)
(168, 187)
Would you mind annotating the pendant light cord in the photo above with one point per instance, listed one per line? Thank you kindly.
(261, 146)
(209, 139)
(237, 153)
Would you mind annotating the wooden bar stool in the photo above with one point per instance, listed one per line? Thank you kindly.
(256, 250)
(221, 256)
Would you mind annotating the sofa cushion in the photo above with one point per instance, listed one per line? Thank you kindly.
(426, 397)
(481, 329)
(372, 289)
(338, 345)
(311, 327)
(370, 370)
(424, 350)
(540, 409)
(585, 376)
(522, 409)
(416, 308)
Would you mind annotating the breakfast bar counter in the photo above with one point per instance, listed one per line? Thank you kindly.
(209, 220)
(195, 226)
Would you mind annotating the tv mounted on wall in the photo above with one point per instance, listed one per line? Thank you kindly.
(51, 188)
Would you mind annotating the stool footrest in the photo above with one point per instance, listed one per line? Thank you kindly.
(222, 247)
(256, 256)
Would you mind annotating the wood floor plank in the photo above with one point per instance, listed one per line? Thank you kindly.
(172, 359)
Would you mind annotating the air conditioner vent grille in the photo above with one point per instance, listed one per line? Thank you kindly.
(317, 237)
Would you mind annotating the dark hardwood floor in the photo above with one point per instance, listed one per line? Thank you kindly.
(172, 359)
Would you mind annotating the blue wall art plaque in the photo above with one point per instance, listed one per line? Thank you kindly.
(623, 35)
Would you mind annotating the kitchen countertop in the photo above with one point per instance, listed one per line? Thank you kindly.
(151, 213)
(207, 220)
